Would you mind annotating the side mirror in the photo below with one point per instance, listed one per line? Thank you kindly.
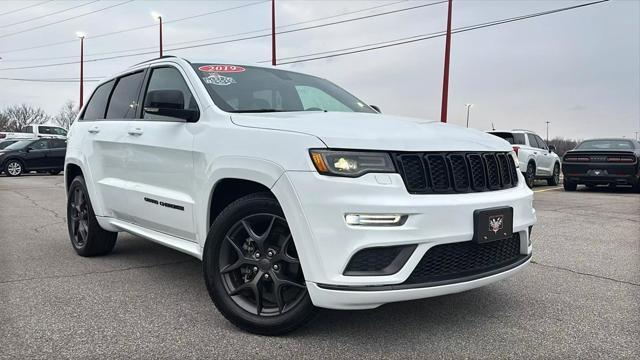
(376, 108)
(181, 114)
(552, 148)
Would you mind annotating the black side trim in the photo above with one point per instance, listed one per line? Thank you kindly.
(403, 254)
(520, 261)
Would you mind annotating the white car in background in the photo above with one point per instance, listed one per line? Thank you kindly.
(537, 159)
(36, 131)
(294, 193)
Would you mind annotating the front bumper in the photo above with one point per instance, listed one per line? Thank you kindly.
(315, 206)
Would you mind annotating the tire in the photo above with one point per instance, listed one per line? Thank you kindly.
(240, 266)
(530, 175)
(554, 180)
(636, 187)
(570, 186)
(54, 172)
(85, 233)
(13, 168)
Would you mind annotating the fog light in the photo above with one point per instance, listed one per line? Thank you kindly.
(375, 219)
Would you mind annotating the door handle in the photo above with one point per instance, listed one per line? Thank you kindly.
(135, 131)
(94, 130)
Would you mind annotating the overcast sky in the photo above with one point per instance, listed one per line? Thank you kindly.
(579, 69)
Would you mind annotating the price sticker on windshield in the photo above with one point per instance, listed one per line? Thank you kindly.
(222, 68)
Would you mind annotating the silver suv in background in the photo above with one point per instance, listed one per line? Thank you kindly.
(537, 159)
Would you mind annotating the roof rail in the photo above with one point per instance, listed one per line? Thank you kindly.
(158, 58)
(522, 130)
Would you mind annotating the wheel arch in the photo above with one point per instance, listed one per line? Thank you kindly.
(24, 167)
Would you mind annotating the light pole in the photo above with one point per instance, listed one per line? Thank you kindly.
(81, 36)
(445, 80)
(547, 131)
(469, 106)
(158, 17)
(273, 32)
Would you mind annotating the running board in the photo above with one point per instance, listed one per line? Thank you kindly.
(182, 245)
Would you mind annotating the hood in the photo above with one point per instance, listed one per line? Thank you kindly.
(362, 131)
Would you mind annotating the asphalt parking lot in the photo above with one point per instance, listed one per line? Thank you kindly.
(579, 299)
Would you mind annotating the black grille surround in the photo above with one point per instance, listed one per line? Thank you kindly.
(456, 172)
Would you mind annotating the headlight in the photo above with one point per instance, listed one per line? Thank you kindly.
(351, 163)
(515, 159)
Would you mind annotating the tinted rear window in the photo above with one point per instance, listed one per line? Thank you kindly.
(606, 145)
(125, 96)
(514, 139)
(98, 103)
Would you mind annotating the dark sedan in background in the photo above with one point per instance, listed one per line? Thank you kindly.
(42, 155)
(602, 162)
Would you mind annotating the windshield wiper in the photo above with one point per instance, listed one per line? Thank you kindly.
(258, 111)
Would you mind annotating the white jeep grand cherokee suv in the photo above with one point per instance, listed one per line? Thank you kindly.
(293, 193)
(536, 159)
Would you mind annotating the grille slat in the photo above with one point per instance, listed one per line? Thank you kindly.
(457, 260)
(456, 172)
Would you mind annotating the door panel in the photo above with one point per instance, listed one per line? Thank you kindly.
(36, 157)
(161, 160)
(161, 172)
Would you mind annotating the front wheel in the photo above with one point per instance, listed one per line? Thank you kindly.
(252, 270)
(555, 178)
(14, 168)
(87, 237)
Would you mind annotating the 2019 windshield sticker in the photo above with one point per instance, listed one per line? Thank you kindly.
(217, 79)
(222, 68)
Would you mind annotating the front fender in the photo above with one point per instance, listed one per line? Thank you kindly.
(261, 171)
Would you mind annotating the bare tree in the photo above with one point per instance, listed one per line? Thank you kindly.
(66, 115)
(563, 145)
(16, 117)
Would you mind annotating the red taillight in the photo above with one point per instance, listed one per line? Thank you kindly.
(620, 159)
(575, 158)
(515, 149)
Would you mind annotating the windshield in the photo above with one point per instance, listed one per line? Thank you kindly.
(19, 145)
(4, 144)
(253, 89)
(606, 145)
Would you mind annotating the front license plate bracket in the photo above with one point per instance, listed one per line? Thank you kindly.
(492, 224)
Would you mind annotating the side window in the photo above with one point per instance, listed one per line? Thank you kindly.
(167, 90)
(40, 145)
(314, 98)
(123, 102)
(58, 131)
(28, 129)
(532, 141)
(97, 105)
(518, 139)
(58, 144)
(541, 143)
(46, 130)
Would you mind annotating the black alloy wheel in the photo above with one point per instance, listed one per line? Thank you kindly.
(261, 272)
(87, 237)
(252, 269)
(530, 175)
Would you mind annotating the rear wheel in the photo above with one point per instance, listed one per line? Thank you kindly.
(530, 175)
(87, 237)
(570, 186)
(555, 178)
(13, 168)
(252, 270)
